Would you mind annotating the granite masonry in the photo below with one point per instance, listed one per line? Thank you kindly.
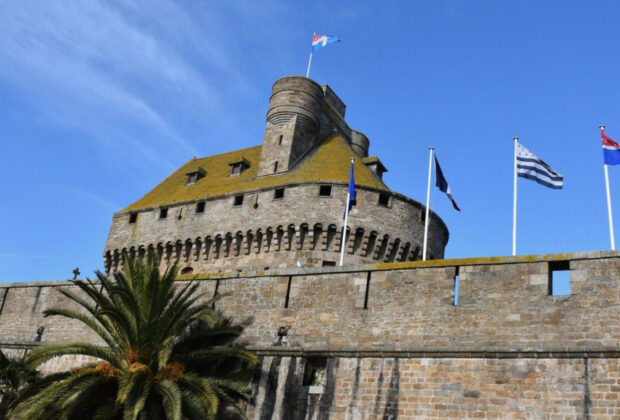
(388, 341)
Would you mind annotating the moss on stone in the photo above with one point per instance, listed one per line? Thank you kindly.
(328, 163)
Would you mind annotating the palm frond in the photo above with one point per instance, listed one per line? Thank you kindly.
(44, 353)
(201, 389)
(171, 398)
(166, 354)
(84, 319)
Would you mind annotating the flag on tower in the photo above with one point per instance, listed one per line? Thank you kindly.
(319, 41)
(352, 191)
(611, 150)
(532, 167)
(442, 184)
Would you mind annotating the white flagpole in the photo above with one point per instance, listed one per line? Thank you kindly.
(428, 199)
(514, 202)
(344, 227)
(310, 61)
(609, 212)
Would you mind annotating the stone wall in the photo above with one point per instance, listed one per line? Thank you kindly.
(277, 233)
(387, 341)
(440, 388)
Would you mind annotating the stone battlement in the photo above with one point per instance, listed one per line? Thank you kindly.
(388, 340)
(503, 305)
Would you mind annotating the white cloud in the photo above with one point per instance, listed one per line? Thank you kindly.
(95, 65)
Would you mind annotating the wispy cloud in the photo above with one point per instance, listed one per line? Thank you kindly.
(96, 65)
(97, 199)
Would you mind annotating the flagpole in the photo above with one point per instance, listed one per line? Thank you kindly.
(310, 61)
(514, 202)
(428, 199)
(609, 212)
(344, 227)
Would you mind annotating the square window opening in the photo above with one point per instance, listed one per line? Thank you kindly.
(559, 278)
(195, 176)
(278, 193)
(133, 217)
(192, 178)
(238, 200)
(325, 191)
(238, 166)
(235, 169)
(384, 200)
(163, 212)
(200, 207)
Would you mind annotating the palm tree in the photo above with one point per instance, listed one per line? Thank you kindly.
(14, 375)
(165, 353)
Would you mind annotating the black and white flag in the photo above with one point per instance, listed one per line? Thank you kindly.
(534, 168)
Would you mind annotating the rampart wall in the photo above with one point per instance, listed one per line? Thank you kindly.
(387, 341)
(301, 226)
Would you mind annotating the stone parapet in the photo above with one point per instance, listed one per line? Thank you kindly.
(387, 340)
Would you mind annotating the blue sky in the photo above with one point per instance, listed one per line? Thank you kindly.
(101, 100)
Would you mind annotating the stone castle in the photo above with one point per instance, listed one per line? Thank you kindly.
(279, 204)
(385, 336)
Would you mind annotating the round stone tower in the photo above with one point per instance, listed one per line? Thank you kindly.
(293, 122)
(296, 96)
(359, 143)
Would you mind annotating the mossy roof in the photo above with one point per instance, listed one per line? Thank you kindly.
(327, 163)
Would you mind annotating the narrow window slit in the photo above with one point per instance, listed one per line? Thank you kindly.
(367, 294)
(288, 292)
(456, 286)
(215, 292)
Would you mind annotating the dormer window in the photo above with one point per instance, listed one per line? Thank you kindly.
(375, 165)
(238, 166)
(194, 176)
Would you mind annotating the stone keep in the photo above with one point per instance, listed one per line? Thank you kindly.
(279, 204)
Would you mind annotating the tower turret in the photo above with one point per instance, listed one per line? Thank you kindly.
(293, 123)
(359, 143)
